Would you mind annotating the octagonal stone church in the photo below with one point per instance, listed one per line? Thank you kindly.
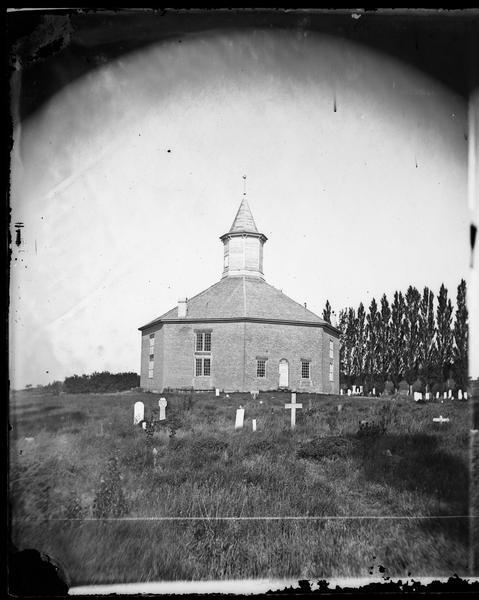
(241, 334)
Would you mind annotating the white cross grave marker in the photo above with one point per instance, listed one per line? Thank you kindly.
(441, 419)
(138, 412)
(162, 403)
(293, 406)
(239, 418)
(254, 424)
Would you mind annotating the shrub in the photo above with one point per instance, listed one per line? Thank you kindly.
(328, 447)
(109, 499)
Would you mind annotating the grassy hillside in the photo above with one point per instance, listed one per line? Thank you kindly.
(85, 489)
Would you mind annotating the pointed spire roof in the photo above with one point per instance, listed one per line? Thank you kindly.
(244, 221)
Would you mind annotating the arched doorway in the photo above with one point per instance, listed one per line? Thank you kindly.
(283, 373)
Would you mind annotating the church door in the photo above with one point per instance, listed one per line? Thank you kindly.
(283, 373)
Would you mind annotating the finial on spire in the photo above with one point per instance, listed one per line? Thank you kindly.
(244, 185)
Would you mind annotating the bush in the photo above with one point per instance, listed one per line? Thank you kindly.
(109, 499)
(101, 383)
(418, 386)
(328, 447)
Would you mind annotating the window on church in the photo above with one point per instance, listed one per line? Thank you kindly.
(202, 367)
(151, 365)
(331, 349)
(260, 367)
(331, 372)
(203, 341)
(206, 366)
(305, 370)
(152, 357)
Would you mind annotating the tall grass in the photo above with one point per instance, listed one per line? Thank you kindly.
(87, 460)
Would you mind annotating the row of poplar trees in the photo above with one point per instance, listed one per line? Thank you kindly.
(414, 337)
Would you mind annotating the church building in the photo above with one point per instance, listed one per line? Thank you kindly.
(241, 334)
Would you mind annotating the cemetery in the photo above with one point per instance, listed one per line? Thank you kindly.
(107, 482)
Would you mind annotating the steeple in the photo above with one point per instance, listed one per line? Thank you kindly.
(244, 222)
(243, 245)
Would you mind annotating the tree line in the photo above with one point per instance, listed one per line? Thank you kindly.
(416, 337)
(94, 383)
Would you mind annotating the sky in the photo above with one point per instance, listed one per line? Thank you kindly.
(356, 168)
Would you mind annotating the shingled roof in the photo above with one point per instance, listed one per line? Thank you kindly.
(243, 297)
(244, 221)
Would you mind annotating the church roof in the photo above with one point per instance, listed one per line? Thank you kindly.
(244, 221)
(243, 297)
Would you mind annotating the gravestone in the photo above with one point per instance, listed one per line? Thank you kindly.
(239, 418)
(254, 424)
(162, 403)
(445, 396)
(374, 391)
(349, 392)
(361, 390)
(417, 396)
(428, 395)
(449, 394)
(138, 412)
(217, 392)
(255, 394)
(465, 395)
(144, 424)
(340, 407)
(437, 395)
(441, 419)
(354, 390)
(293, 406)
(310, 405)
(341, 392)
(155, 454)
(459, 394)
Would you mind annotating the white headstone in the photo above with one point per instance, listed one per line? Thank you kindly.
(361, 389)
(239, 418)
(441, 419)
(449, 394)
(341, 392)
(354, 390)
(374, 391)
(217, 392)
(417, 396)
(465, 395)
(254, 424)
(437, 395)
(428, 395)
(349, 392)
(143, 425)
(459, 394)
(445, 395)
(138, 412)
(162, 403)
(293, 406)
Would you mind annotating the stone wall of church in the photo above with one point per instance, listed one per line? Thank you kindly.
(235, 349)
